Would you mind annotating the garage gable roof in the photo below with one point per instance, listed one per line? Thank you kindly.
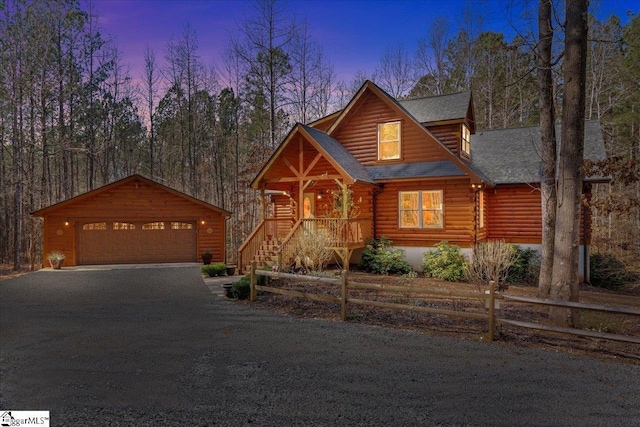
(115, 184)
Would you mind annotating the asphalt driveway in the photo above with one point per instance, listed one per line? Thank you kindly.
(157, 347)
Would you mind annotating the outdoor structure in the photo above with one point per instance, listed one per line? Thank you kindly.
(415, 171)
(133, 220)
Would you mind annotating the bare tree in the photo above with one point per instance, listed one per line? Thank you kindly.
(311, 77)
(564, 285)
(547, 145)
(150, 79)
(263, 49)
(431, 59)
(395, 71)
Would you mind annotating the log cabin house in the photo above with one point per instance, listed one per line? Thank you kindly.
(416, 171)
(132, 221)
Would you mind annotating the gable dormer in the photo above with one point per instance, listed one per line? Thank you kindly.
(448, 117)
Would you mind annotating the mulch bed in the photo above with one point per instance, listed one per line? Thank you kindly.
(471, 329)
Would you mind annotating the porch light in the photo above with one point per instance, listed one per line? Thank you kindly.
(202, 222)
(66, 222)
(319, 194)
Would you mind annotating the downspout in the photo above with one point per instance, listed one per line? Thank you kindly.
(586, 219)
(475, 216)
(374, 203)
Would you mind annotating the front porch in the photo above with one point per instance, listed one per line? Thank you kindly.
(273, 241)
(311, 184)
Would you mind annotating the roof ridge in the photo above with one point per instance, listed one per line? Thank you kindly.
(558, 123)
(435, 96)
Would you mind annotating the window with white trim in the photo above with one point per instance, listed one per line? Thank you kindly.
(466, 140)
(389, 141)
(421, 209)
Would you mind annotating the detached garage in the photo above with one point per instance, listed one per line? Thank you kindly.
(134, 220)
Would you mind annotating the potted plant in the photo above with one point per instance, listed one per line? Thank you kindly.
(207, 256)
(55, 259)
(231, 270)
(227, 290)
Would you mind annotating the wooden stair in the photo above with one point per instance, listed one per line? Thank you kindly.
(266, 255)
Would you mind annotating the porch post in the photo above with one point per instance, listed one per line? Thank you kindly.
(345, 194)
(263, 205)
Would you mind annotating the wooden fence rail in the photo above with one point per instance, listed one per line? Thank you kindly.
(571, 331)
(489, 298)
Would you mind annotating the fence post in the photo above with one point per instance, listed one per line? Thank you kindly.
(343, 303)
(492, 309)
(254, 292)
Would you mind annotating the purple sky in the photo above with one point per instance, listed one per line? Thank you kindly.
(353, 33)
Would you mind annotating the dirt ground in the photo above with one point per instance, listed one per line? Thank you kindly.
(7, 271)
(470, 329)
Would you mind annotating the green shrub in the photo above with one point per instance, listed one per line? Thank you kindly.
(526, 268)
(380, 258)
(447, 262)
(607, 271)
(242, 288)
(215, 269)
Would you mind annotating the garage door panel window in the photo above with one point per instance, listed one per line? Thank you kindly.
(181, 226)
(123, 226)
(153, 226)
(95, 226)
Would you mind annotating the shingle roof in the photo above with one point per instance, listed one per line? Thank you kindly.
(414, 170)
(340, 154)
(439, 107)
(512, 156)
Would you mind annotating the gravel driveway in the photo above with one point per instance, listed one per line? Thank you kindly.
(156, 347)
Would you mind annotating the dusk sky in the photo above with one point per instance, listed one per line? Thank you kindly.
(353, 33)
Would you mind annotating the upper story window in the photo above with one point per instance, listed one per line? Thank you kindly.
(466, 140)
(421, 209)
(389, 141)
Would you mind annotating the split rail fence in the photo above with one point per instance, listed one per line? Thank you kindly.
(489, 297)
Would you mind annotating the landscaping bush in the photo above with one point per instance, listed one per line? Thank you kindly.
(447, 262)
(380, 258)
(607, 271)
(311, 250)
(526, 269)
(491, 260)
(215, 269)
(242, 288)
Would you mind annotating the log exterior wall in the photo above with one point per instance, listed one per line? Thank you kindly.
(458, 214)
(359, 135)
(449, 135)
(515, 214)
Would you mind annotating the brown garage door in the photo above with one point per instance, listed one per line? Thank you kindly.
(114, 242)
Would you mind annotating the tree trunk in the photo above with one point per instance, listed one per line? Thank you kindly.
(547, 146)
(565, 284)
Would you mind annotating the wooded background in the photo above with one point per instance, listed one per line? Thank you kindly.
(72, 117)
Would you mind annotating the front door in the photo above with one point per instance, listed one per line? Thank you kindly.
(309, 206)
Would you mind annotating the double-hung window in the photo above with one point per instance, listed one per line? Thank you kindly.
(389, 141)
(421, 209)
(466, 140)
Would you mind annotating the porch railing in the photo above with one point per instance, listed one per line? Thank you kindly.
(275, 229)
(342, 233)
